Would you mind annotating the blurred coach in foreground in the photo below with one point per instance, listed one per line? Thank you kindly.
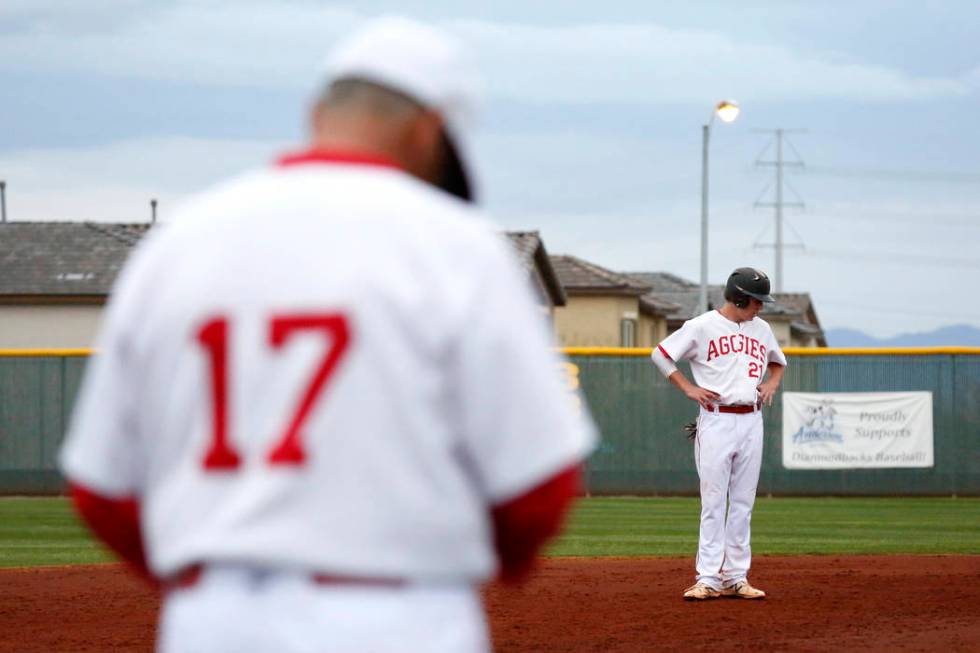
(325, 407)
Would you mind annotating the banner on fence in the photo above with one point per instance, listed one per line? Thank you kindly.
(847, 430)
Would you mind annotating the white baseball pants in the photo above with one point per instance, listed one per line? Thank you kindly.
(728, 455)
(241, 610)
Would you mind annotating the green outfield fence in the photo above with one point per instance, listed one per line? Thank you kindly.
(640, 415)
(644, 451)
(37, 388)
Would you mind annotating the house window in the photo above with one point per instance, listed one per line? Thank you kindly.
(627, 333)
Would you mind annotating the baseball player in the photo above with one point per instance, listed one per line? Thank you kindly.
(737, 366)
(325, 407)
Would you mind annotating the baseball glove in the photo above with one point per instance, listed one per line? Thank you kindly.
(691, 430)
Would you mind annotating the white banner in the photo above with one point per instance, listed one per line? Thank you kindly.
(847, 430)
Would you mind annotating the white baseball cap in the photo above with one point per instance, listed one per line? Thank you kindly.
(426, 65)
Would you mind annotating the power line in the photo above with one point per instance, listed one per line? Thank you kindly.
(893, 258)
(962, 220)
(882, 174)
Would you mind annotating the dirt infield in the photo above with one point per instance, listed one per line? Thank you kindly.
(889, 603)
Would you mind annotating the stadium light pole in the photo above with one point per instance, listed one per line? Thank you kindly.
(727, 111)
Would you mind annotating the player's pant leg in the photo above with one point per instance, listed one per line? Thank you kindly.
(712, 452)
(741, 496)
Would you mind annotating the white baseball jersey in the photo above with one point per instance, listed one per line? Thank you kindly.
(727, 357)
(325, 365)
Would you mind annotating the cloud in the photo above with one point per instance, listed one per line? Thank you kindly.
(855, 277)
(861, 248)
(255, 44)
(245, 43)
(650, 64)
(115, 182)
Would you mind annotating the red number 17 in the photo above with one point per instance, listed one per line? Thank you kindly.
(213, 336)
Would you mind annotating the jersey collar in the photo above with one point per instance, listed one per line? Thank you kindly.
(722, 317)
(343, 157)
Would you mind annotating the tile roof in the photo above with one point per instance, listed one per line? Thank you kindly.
(807, 328)
(83, 258)
(686, 301)
(684, 295)
(532, 255)
(579, 275)
(663, 281)
(798, 302)
(656, 305)
(525, 243)
(64, 258)
(794, 303)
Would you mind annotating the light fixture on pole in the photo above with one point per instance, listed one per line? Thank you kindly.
(727, 111)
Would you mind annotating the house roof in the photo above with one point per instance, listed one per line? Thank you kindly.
(532, 255)
(64, 258)
(656, 305)
(798, 302)
(797, 308)
(807, 328)
(582, 277)
(808, 322)
(663, 281)
(83, 258)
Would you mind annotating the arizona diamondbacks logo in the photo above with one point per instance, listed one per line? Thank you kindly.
(819, 425)
(759, 274)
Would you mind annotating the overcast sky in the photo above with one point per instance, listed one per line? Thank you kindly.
(590, 130)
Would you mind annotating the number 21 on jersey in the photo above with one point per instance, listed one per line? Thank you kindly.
(288, 450)
(755, 370)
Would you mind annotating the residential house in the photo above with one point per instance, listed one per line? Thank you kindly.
(55, 278)
(793, 317)
(606, 308)
(537, 264)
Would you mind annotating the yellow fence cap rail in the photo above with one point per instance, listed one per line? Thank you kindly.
(25, 353)
(795, 351)
(882, 351)
(624, 351)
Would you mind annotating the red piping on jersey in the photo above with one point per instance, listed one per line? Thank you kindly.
(114, 521)
(523, 525)
(664, 352)
(337, 156)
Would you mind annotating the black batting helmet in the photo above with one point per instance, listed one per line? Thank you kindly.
(747, 282)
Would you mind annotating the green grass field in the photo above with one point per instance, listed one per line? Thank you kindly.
(44, 531)
(635, 526)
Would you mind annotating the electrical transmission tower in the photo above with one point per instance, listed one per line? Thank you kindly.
(779, 202)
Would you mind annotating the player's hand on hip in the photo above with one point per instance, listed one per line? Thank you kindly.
(766, 393)
(706, 398)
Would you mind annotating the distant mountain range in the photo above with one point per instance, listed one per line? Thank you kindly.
(957, 335)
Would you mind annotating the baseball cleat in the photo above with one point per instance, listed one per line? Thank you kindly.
(700, 592)
(742, 590)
